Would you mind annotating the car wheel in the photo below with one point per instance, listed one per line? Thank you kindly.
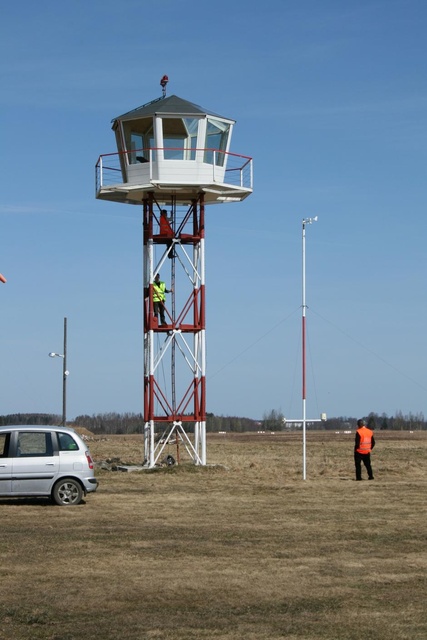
(67, 492)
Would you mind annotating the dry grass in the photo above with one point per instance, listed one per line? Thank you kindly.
(242, 550)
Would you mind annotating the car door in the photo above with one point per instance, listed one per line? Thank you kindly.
(71, 459)
(35, 466)
(5, 465)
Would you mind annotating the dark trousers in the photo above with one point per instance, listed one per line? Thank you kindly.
(159, 309)
(366, 459)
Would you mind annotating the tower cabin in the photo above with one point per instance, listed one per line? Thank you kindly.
(175, 150)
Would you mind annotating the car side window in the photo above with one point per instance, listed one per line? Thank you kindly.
(31, 443)
(67, 443)
(4, 444)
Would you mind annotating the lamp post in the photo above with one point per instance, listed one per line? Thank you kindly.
(304, 395)
(65, 373)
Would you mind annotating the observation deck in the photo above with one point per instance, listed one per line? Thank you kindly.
(176, 150)
(129, 176)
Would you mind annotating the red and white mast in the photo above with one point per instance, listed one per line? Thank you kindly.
(304, 395)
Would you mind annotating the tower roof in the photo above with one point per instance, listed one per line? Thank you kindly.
(172, 105)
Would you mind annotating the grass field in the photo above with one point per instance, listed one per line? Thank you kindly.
(244, 549)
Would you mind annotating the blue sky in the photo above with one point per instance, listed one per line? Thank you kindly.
(330, 100)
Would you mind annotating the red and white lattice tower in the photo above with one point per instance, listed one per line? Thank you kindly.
(174, 156)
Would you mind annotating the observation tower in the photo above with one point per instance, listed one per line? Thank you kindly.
(173, 158)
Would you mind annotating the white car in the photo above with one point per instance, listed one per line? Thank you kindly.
(45, 461)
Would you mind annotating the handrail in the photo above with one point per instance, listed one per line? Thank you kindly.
(224, 163)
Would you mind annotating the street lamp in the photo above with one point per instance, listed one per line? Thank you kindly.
(304, 419)
(65, 373)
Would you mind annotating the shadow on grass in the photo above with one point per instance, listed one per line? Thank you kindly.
(33, 502)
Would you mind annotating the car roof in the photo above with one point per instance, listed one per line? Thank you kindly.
(36, 427)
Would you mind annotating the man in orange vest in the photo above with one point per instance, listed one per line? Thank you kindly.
(164, 224)
(363, 446)
(166, 231)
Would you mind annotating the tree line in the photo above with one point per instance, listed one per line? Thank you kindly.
(128, 423)
(274, 420)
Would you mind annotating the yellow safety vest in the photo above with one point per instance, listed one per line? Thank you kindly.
(159, 292)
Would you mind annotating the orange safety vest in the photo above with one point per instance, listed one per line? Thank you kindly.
(165, 228)
(365, 444)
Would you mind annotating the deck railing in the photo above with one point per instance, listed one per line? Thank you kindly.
(227, 168)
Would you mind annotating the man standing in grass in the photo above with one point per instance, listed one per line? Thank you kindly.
(363, 446)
